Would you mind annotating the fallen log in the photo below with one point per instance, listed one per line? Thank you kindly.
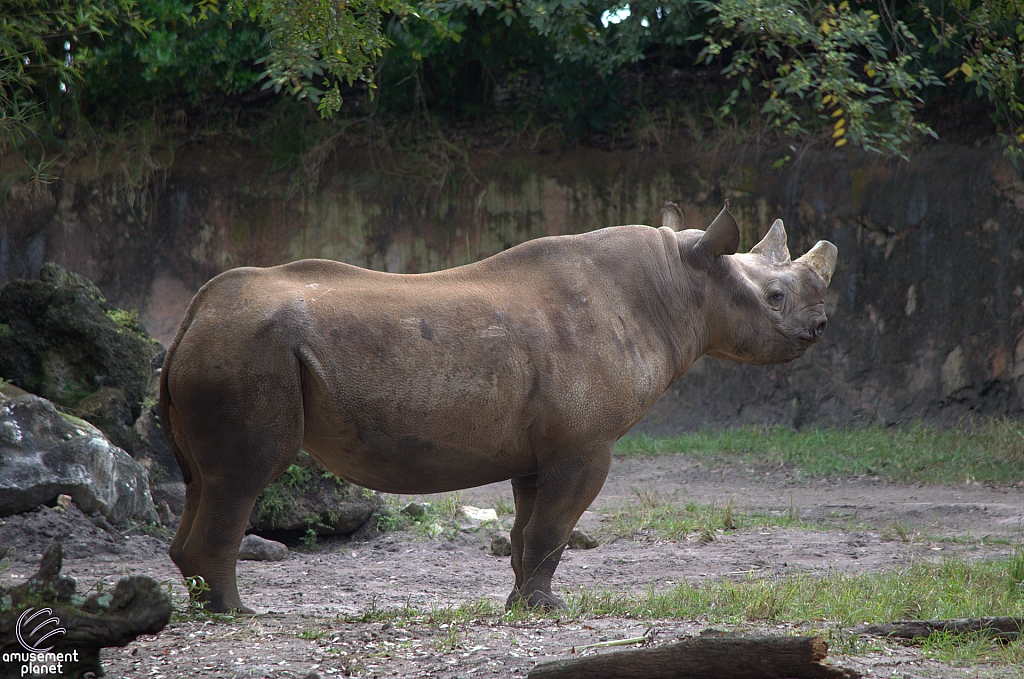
(1003, 628)
(705, 658)
(45, 615)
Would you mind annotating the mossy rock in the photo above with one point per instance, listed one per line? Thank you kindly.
(65, 342)
(306, 498)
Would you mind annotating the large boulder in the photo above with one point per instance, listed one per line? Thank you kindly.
(60, 339)
(108, 411)
(44, 454)
(309, 498)
(153, 452)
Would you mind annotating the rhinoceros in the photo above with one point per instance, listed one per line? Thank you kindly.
(528, 365)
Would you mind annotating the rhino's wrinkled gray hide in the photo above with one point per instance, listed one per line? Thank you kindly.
(527, 366)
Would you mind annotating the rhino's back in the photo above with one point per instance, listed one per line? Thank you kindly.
(541, 337)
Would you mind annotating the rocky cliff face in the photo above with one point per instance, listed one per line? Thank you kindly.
(926, 306)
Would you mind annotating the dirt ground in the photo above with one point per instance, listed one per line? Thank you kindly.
(302, 602)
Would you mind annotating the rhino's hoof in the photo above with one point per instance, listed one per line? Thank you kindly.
(537, 599)
(237, 608)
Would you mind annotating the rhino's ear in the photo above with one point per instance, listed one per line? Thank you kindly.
(822, 258)
(773, 246)
(672, 216)
(722, 237)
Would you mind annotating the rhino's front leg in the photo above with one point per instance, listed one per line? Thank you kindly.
(561, 491)
(524, 492)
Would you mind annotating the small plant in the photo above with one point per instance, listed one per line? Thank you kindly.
(1016, 568)
(314, 634)
(449, 641)
(309, 538)
(728, 520)
(504, 507)
(388, 519)
(197, 589)
(897, 531)
(295, 476)
(5, 330)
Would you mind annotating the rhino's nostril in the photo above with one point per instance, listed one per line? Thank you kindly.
(820, 327)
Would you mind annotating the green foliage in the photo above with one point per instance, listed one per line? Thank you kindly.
(821, 61)
(43, 49)
(279, 497)
(439, 519)
(315, 45)
(854, 72)
(295, 476)
(187, 49)
(126, 319)
(987, 38)
(5, 330)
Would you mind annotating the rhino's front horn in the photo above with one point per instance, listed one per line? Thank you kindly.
(773, 246)
(822, 258)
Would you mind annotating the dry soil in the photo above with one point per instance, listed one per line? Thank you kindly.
(305, 604)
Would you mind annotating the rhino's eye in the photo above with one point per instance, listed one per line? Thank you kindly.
(776, 297)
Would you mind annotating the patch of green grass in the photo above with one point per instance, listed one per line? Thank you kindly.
(971, 648)
(5, 330)
(318, 633)
(439, 520)
(951, 589)
(981, 450)
(828, 604)
(467, 612)
(649, 511)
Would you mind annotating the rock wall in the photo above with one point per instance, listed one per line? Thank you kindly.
(926, 307)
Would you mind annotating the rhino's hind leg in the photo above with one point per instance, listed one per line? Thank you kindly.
(193, 493)
(563, 490)
(233, 453)
(211, 549)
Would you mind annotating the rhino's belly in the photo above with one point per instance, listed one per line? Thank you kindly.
(415, 464)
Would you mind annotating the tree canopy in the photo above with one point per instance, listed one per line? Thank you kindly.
(857, 72)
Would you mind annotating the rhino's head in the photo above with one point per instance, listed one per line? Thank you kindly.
(762, 307)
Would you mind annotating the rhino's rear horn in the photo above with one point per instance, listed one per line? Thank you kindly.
(722, 237)
(822, 258)
(773, 246)
(672, 217)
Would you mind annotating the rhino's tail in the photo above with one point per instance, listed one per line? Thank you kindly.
(166, 420)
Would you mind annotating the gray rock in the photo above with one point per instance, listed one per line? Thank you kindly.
(163, 510)
(307, 497)
(255, 548)
(171, 492)
(416, 509)
(501, 545)
(44, 454)
(107, 409)
(151, 443)
(580, 540)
